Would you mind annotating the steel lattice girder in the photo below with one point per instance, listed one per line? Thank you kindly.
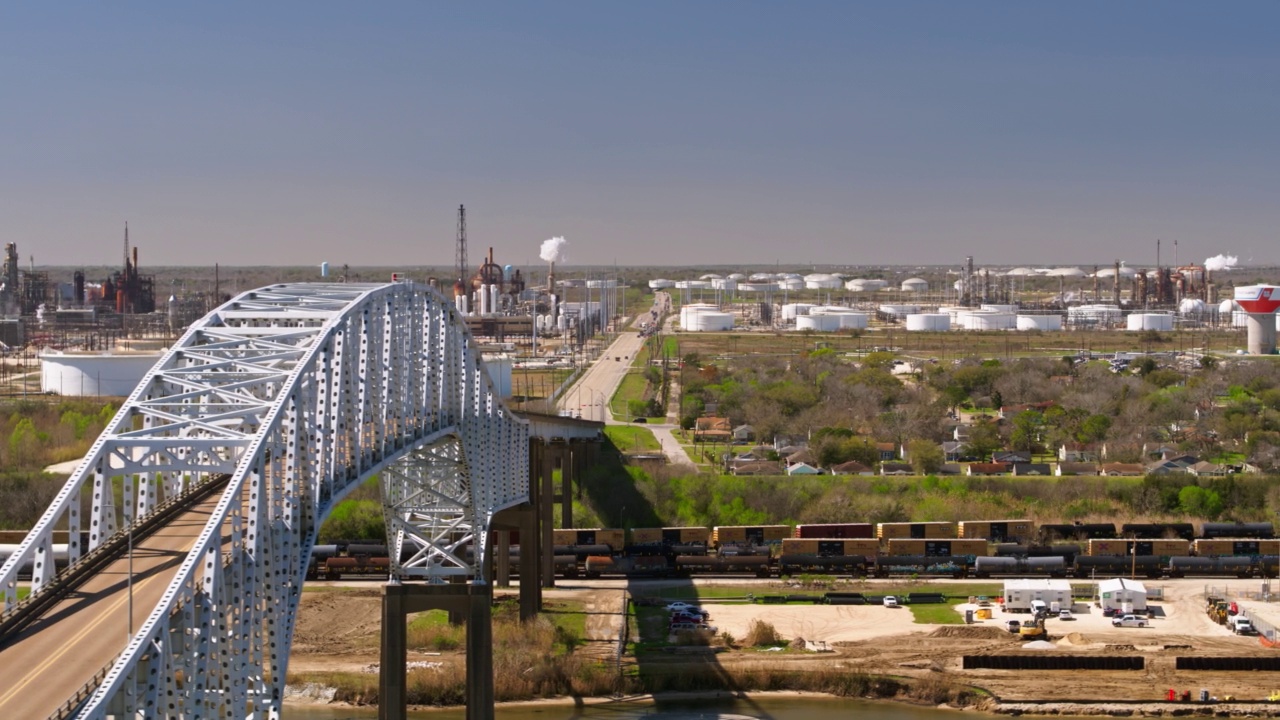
(299, 392)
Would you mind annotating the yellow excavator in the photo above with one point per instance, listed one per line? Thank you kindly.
(1033, 630)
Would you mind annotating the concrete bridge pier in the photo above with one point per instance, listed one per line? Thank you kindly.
(474, 603)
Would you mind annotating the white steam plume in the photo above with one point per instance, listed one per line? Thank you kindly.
(1215, 263)
(553, 249)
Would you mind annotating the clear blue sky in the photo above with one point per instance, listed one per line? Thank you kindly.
(655, 132)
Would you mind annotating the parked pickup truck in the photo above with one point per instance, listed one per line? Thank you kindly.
(1241, 626)
(1129, 621)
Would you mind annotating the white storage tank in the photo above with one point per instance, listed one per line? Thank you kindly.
(899, 310)
(791, 311)
(1192, 306)
(725, 284)
(1150, 321)
(92, 374)
(713, 321)
(914, 285)
(999, 308)
(818, 323)
(989, 321)
(758, 287)
(928, 322)
(499, 369)
(762, 277)
(855, 320)
(822, 281)
(699, 284)
(791, 284)
(1039, 322)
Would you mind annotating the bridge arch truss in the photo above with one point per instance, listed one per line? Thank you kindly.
(293, 395)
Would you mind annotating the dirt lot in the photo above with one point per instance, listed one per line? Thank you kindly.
(338, 631)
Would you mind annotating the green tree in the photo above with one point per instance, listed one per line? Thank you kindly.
(1094, 429)
(926, 456)
(1199, 502)
(984, 439)
(1028, 427)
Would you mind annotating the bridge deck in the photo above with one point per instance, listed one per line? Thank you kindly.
(54, 656)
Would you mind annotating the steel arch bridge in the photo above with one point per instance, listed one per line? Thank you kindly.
(291, 395)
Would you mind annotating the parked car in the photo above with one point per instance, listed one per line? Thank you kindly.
(1012, 626)
(687, 609)
(891, 601)
(1065, 615)
(687, 617)
(1129, 621)
(692, 627)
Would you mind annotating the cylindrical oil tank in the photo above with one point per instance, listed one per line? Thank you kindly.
(69, 373)
(709, 322)
(1045, 565)
(852, 320)
(1010, 549)
(791, 284)
(928, 322)
(985, 565)
(1150, 321)
(818, 323)
(914, 285)
(992, 307)
(989, 321)
(1039, 322)
(1237, 530)
(898, 310)
(791, 311)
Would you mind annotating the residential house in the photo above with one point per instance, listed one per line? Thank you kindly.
(1008, 411)
(992, 468)
(1122, 470)
(896, 468)
(853, 467)
(1029, 468)
(1208, 469)
(803, 456)
(757, 467)
(744, 434)
(803, 468)
(1011, 456)
(1176, 464)
(951, 469)
(788, 450)
(1079, 452)
(712, 429)
(888, 451)
(952, 450)
(1076, 468)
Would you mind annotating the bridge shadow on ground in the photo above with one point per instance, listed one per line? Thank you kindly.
(657, 666)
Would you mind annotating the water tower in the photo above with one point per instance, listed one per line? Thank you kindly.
(1260, 302)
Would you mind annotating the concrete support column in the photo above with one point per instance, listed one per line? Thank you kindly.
(547, 485)
(530, 566)
(1262, 333)
(480, 654)
(392, 701)
(568, 474)
(502, 559)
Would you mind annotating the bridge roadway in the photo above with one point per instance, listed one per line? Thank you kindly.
(52, 658)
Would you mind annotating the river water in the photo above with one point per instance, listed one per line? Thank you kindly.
(764, 708)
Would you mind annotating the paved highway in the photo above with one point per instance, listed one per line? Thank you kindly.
(53, 657)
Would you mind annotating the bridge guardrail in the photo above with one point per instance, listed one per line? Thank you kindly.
(16, 617)
(69, 708)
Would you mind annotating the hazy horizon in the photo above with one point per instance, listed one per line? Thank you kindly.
(717, 134)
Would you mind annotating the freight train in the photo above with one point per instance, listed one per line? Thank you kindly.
(983, 549)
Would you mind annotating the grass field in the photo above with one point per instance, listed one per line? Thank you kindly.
(631, 438)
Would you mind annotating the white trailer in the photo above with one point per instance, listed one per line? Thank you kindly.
(1122, 595)
(1020, 594)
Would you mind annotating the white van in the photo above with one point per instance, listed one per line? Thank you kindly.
(1240, 625)
(1038, 607)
